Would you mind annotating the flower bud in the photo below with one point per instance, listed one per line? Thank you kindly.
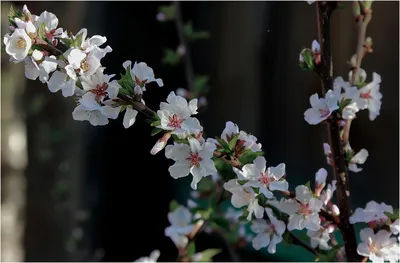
(306, 59)
(356, 10)
(160, 144)
(335, 210)
(11, 28)
(368, 45)
(366, 6)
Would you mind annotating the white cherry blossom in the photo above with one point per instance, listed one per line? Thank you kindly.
(268, 234)
(152, 258)
(248, 141)
(395, 227)
(96, 114)
(175, 116)
(358, 158)
(60, 81)
(97, 88)
(17, 44)
(181, 225)
(266, 179)
(303, 212)
(322, 108)
(372, 212)
(378, 247)
(194, 159)
(321, 237)
(244, 196)
(79, 61)
(142, 74)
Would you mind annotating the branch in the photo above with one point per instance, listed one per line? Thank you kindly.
(137, 105)
(360, 52)
(180, 26)
(296, 241)
(324, 11)
(49, 48)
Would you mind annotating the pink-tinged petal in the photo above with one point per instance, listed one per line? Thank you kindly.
(278, 186)
(362, 249)
(366, 234)
(313, 222)
(303, 194)
(272, 245)
(313, 116)
(295, 222)
(260, 241)
(178, 152)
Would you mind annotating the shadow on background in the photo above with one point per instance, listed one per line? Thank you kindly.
(76, 192)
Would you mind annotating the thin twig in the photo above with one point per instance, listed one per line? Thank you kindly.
(49, 48)
(324, 11)
(180, 26)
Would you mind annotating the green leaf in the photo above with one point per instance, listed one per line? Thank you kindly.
(221, 222)
(168, 10)
(155, 131)
(42, 31)
(191, 249)
(155, 123)
(223, 143)
(208, 254)
(196, 35)
(308, 59)
(244, 216)
(233, 141)
(205, 185)
(188, 29)
(343, 103)
(178, 140)
(12, 14)
(206, 214)
(126, 81)
(308, 185)
(171, 57)
(393, 216)
(78, 41)
(173, 205)
(249, 156)
(200, 83)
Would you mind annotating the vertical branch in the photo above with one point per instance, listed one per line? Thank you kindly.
(180, 26)
(324, 11)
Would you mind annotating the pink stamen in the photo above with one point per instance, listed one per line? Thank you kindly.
(305, 210)
(100, 91)
(194, 159)
(265, 179)
(324, 112)
(366, 95)
(174, 121)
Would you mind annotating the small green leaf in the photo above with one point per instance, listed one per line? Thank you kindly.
(308, 185)
(244, 216)
(343, 103)
(188, 29)
(126, 81)
(308, 59)
(196, 35)
(173, 205)
(249, 156)
(223, 143)
(168, 10)
(171, 57)
(206, 214)
(79, 40)
(233, 141)
(287, 238)
(42, 31)
(191, 249)
(155, 131)
(156, 123)
(393, 216)
(178, 140)
(200, 83)
(208, 254)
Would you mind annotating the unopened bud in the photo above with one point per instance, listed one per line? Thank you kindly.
(366, 6)
(160, 144)
(368, 45)
(306, 59)
(161, 17)
(335, 210)
(356, 10)
(138, 90)
(11, 28)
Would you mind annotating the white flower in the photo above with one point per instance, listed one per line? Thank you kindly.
(321, 237)
(97, 88)
(327, 194)
(320, 181)
(38, 66)
(78, 60)
(268, 234)
(358, 158)
(321, 108)
(152, 258)
(244, 196)
(395, 227)
(245, 140)
(372, 212)
(27, 25)
(328, 154)
(194, 158)
(96, 114)
(303, 213)
(349, 112)
(175, 116)
(315, 47)
(142, 74)
(377, 247)
(58, 81)
(17, 44)
(181, 225)
(267, 180)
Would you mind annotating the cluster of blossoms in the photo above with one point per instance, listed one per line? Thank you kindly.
(255, 188)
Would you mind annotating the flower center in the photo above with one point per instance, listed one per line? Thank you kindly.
(324, 112)
(304, 210)
(265, 179)
(174, 121)
(372, 247)
(366, 95)
(271, 229)
(85, 65)
(21, 43)
(139, 82)
(194, 159)
(100, 91)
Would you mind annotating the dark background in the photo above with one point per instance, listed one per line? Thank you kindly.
(68, 169)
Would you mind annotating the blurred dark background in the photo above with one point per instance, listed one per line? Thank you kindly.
(73, 192)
